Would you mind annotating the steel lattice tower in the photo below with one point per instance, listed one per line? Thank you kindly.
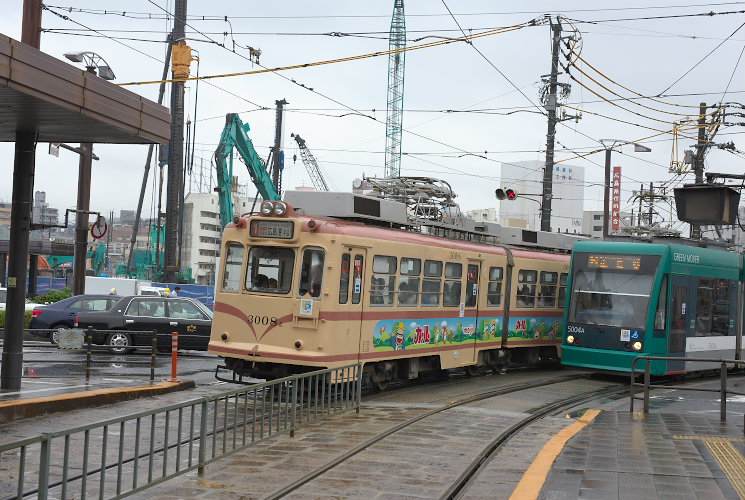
(397, 41)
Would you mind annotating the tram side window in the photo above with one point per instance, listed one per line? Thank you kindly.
(383, 288)
(431, 283)
(720, 313)
(408, 285)
(344, 279)
(494, 291)
(547, 292)
(357, 279)
(661, 313)
(563, 289)
(451, 292)
(472, 285)
(311, 272)
(704, 306)
(526, 280)
(270, 269)
(231, 277)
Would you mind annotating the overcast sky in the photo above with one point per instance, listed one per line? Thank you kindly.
(467, 108)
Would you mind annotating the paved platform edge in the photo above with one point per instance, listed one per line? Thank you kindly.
(11, 411)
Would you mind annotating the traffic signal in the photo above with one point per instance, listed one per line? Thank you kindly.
(503, 194)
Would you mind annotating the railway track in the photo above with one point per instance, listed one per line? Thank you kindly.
(489, 451)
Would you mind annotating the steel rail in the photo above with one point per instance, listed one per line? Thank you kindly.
(375, 439)
(461, 484)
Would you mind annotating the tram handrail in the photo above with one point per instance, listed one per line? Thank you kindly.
(724, 392)
(174, 439)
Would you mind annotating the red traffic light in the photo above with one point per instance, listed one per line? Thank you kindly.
(503, 194)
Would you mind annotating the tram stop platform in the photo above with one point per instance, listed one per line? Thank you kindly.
(48, 395)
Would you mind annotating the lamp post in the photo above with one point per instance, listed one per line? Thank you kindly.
(93, 62)
(613, 143)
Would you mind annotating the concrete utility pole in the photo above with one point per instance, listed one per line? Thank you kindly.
(276, 156)
(551, 106)
(698, 159)
(138, 215)
(80, 251)
(175, 152)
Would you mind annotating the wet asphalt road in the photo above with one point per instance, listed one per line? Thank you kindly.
(42, 360)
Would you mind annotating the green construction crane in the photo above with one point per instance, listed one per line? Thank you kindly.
(396, 42)
(234, 135)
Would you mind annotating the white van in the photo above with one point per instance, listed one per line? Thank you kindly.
(152, 290)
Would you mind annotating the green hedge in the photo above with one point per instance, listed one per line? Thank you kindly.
(53, 296)
(26, 321)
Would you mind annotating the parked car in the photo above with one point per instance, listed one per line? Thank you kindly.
(190, 318)
(62, 314)
(30, 306)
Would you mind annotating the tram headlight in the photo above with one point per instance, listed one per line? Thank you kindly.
(280, 208)
(266, 208)
(570, 339)
(637, 346)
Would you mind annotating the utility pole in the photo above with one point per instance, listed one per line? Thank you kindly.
(276, 151)
(138, 215)
(80, 250)
(24, 164)
(698, 159)
(176, 147)
(551, 106)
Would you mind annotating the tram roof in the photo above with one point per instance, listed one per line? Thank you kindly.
(357, 229)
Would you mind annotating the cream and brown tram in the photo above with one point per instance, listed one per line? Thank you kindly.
(297, 292)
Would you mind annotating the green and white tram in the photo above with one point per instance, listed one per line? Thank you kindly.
(630, 299)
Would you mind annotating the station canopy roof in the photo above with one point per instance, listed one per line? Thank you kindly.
(63, 103)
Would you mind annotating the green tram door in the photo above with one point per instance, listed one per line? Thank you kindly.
(680, 310)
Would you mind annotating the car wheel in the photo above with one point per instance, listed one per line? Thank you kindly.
(119, 343)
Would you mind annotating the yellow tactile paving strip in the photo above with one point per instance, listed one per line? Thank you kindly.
(532, 481)
(728, 457)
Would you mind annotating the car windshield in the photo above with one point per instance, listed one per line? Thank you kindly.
(612, 290)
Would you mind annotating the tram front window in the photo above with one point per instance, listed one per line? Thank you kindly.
(270, 269)
(612, 290)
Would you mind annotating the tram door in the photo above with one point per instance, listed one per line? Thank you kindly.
(350, 295)
(471, 311)
(680, 310)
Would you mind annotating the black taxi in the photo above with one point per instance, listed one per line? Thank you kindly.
(131, 321)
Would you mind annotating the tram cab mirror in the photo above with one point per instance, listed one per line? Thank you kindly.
(707, 204)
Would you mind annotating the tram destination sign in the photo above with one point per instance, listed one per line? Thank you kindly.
(272, 229)
(624, 262)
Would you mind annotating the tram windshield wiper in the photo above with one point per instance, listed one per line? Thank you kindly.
(589, 316)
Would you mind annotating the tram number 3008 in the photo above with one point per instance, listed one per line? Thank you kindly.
(263, 320)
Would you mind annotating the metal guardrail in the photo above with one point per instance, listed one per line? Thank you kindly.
(125, 455)
(91, 349)
(647, 385)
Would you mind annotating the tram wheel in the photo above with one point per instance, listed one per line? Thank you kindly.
(381, 385)
(473, 371)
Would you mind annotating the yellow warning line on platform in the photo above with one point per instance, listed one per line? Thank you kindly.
(532, 481)
(728, 457)
(86, 394)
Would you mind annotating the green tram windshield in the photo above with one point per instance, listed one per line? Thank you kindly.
(611, 289)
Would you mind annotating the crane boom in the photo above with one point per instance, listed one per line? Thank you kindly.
(314, 171)
(234, 135)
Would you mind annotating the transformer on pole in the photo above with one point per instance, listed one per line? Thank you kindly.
(397, 41)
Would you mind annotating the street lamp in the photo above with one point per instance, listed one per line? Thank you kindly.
(613, 143)
(92, 62)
